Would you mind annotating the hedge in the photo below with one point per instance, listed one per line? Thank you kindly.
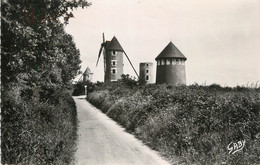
(190, 125)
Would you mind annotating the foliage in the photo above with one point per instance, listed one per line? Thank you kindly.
(39, 60)
(128, 81)
(190, 125)
(35, 43)
(38, 132)
(79, 88)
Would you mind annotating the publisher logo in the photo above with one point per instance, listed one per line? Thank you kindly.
(235, 147)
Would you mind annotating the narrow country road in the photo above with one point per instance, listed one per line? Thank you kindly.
(103, 142)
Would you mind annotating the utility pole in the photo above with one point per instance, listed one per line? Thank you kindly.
(86, 90)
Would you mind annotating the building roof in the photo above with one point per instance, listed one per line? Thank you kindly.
(170, 51)
(114, 45)
(87, 71)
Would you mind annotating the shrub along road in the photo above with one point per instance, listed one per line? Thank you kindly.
(103, 142)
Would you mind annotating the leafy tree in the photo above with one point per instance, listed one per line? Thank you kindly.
(79, 87)
(38, 58)
(34, 39)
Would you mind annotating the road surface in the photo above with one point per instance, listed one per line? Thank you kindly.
(103, 142)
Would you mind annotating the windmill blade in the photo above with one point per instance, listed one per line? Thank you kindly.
(80, 78)
(100, 50)
(103, 37)
(131, 64)
(99, 54)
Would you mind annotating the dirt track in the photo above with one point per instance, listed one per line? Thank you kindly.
(103, 142)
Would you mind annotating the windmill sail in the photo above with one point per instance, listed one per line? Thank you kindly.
(99, 54)
(100, 50)
(131, 64)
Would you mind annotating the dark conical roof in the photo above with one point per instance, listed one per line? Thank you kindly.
(87, 71)
(170, 51)
(114, 45)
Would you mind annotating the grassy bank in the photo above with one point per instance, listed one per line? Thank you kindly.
(190, 125)
(36, 131)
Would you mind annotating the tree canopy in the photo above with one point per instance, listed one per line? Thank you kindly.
(34, 44)
(39, 60)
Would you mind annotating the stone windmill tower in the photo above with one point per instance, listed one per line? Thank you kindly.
(146, 73)
(113, 59)
(87, 75)
(171, 66)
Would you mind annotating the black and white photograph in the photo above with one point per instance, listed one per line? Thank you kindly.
(130, 82)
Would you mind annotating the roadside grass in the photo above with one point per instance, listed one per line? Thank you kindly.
(193, 124)
(36, 131)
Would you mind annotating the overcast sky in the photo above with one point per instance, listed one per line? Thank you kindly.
(219, 38)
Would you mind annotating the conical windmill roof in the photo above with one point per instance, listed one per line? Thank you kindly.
(170, 51)
(87, 71)
(114, 45)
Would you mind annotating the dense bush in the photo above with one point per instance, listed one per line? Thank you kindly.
(79, 88)
(128, 81)
(38, 61)
(194, 124)
(38, 132)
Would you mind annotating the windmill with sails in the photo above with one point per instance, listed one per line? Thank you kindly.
(113, 54)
